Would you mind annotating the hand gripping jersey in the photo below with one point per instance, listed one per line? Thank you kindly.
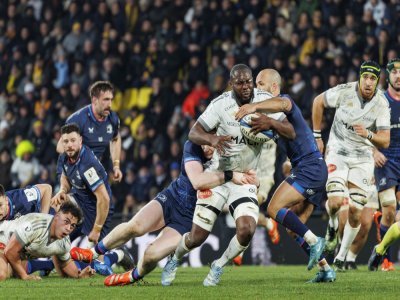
(220, 114)
(351, 109)
(33, 233)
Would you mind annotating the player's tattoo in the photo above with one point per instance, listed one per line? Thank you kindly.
(284, 105)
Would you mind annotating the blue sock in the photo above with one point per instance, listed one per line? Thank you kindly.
(135, 274)
(383, 229)
(288, 219)
(100, 248)
(81, 265)
(110, 258)
(306, 247)
(39, 265)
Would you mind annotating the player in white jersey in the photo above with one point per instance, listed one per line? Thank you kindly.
(362, 121)
(234, 153)
(39, 235)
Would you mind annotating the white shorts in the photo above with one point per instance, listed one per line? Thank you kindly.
(241, 200)
(358, 172)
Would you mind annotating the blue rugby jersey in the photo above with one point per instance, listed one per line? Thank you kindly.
(181, 188)
(86, 174)
(304, 144)
(97, 135)
(23, 201)
(393, 152)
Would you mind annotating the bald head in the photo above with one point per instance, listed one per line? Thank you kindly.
(269, 80)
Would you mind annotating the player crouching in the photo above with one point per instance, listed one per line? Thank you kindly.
(40, 235)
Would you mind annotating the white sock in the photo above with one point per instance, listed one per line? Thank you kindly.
(349, 234)
(182, 249)
(119, 253)
(95, 254)
(310, 238)
(233, 250)
(350, 256)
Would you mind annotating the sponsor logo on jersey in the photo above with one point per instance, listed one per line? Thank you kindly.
(382, 181)
(100, 138)
(331, 168)
(78, 175)
(162, 197)
(204, 194)
(252, 190)
(310, 192)
(233, 124)
(230, 107)
(91, 130)
(244, 140)
(109, 129)
(91, 176)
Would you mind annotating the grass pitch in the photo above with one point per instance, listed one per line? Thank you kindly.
(246, 282)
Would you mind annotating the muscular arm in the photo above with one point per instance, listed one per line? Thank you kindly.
(102, 206)
(199, 136)
(64, 184)
(381, 139)
(69, 269)
(45, 192)
(274, 105)
(284, 128)
(318, 111)
(115, 149)
(12, 253)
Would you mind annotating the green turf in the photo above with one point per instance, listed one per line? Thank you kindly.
(278, 282)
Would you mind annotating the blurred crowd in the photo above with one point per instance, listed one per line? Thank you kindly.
(167, 59)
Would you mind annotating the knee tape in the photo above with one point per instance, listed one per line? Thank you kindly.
(335, 188)
(387, 197)
(358, 197)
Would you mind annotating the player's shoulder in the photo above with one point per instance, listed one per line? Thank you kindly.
(114, 118)
(36, 220)
(79, 115)
(345, 88)
(190, 147)
(225, 96)
(381, 98)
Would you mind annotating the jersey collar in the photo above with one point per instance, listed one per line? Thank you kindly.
(92, 116)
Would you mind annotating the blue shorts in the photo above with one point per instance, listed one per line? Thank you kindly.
(387, 176)
(175, 216)
(89, 209)
(309, 177)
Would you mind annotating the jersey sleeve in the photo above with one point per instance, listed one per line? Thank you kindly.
(383, 120)
(333, 95)
(115, 124)
(192, 152)
(210, 119)
(65, 247)
(91, 170)
(27, 231)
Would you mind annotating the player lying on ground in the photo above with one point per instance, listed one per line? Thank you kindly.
(39, 235)
(171, 210)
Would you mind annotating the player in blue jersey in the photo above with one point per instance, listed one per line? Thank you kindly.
(99, 127)
(295, 198)
(387, 171)
(85, 177)
(172, 210)
(15, 203)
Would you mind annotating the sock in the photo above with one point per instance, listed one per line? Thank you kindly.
(310, 238)
(182, 249)
(81, 265)
(349, 235)
(383, 229)
(288, 219)
(135, 276)
(269, 225)
(351, 256)
(39, 265)
(110, 258)
(391, 235)
(100, 249)
(233, 250)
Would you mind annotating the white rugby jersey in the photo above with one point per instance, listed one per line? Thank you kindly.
(220, 114)
(351, 109)
(33, 233)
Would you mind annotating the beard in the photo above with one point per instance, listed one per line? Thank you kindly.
(73, 155)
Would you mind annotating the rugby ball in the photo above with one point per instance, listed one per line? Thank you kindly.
(261, 137)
